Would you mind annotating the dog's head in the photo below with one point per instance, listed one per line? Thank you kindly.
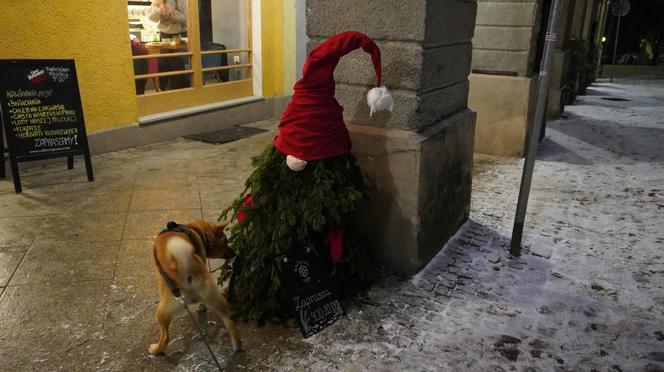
(216, 237)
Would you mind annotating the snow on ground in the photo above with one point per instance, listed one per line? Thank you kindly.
(588, 294)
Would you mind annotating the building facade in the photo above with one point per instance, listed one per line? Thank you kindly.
(143, 79)
(507, 51)
(149, 74)
(418, 159)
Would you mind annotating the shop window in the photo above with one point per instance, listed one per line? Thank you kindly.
(189, 52)
(160, 45)
(224, 38)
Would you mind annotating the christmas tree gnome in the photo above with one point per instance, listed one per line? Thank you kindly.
(303, 189)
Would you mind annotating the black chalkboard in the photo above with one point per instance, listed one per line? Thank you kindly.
(308, 290)
(41, 113)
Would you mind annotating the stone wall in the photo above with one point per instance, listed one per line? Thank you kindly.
(425, 68)
(504, 107)
(506, 43)
(506, 36)
(577, 17)
(504, 63)
(418, 158)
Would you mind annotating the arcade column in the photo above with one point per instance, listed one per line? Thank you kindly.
(419, 158)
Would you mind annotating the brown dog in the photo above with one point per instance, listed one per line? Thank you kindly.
(180, 252)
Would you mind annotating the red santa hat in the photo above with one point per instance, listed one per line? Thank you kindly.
(312, 127)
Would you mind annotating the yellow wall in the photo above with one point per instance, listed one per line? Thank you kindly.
(272, 48)
(92, 33)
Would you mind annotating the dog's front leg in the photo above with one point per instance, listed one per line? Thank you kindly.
(167, 308)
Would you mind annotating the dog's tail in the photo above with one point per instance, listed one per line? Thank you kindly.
(176, 260)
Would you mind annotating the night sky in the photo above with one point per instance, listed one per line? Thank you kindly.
(646, 16)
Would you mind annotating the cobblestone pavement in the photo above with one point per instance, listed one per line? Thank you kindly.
(587, 294)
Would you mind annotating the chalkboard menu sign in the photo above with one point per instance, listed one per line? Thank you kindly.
(308, 290)
(41, 113)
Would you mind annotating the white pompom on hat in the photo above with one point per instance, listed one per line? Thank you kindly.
(295, 164)
(379, 99)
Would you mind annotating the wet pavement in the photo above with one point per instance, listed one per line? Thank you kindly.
(77, 279)
(78, 287)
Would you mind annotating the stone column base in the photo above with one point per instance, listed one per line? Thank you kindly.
(504, 105)
(421, 184)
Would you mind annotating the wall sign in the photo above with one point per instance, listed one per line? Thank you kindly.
(309, 292)
(42, 115)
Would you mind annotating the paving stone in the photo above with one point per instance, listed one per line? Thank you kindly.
(147, 224)
(487, 295)
(411, 301)
(479, 266)
(447, 283)
(136, 259)
(463, 273)
(19, 231)
(437, 269)
(464, 281)
(57, 262)
(450, 276)
(442, 290)
(427, 285)
(541, 251)
(171, 199)
(431, 306)
(10, 257)
(482, 238)
(463, 258)
(82, 227)
(492, 257)
(456, 250)
(478, 244)
(466, 290)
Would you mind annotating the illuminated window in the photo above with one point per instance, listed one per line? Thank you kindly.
(224, 38)
(189, 52)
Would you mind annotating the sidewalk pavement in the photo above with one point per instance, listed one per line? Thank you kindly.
(78, 288)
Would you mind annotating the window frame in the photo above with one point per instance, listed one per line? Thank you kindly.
(199, 93)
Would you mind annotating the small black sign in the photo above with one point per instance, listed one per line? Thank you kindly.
(308, 290)
(41, 112)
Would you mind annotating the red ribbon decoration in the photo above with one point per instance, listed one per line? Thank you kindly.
(335, 241)
(247, 202)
